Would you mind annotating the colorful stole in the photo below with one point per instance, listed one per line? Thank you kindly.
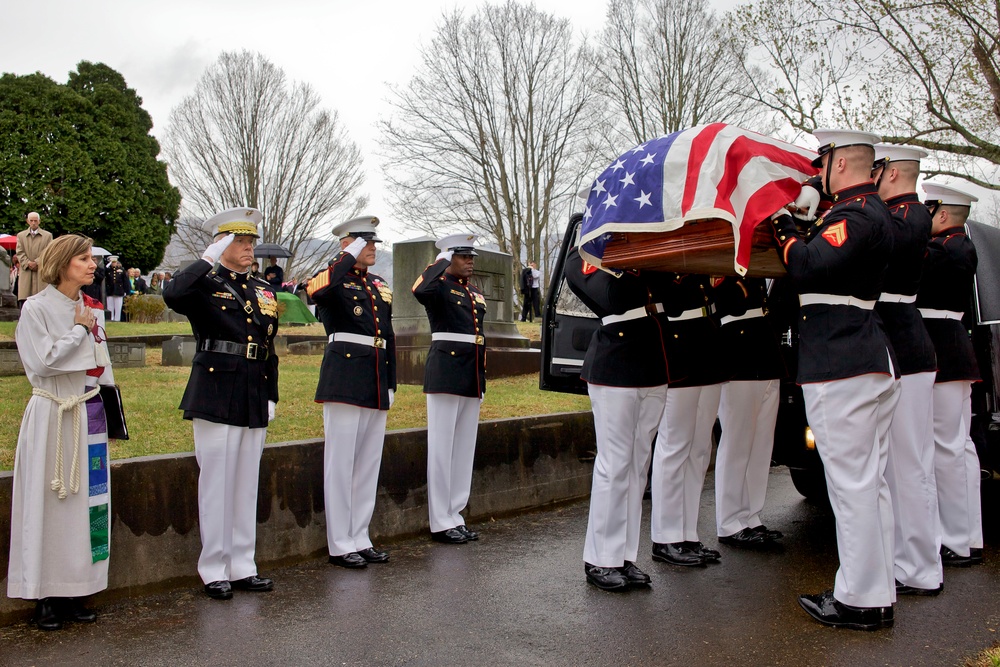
(99, 490)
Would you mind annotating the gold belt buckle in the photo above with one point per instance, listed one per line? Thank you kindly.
(480, 340)
(252, 351)
(378, 342)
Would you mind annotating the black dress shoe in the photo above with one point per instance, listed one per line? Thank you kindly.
(951, 559)
(73, 610)
(903, 589)
(976, 555)
(633, 575)
(828, 611)
(219, 590)
(253, 584)
(676, 553)
(352, 560)
(605, 578)
(769, 534)
(748, 538)
(708, 555)
(373, 555)
(470, 535)
(450, 536)
(47, 615)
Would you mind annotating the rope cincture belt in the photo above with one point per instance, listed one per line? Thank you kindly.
(72, 402)
(935, 314)
(886, 297)
(458, 338)
(251, 351)
(749, 315)
(835, 300)
(633, 314)
(358, 339)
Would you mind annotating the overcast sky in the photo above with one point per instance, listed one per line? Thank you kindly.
(348, 51)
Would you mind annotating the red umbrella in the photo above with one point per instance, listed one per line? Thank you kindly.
(7, 241)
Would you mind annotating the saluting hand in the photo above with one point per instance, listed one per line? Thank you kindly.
(214, 252)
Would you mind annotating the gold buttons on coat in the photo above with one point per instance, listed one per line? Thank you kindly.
(211, 370)
(453, 353)
(348, 355)
(249, 337)
(223, 308)
(249, 320)
(621, 333)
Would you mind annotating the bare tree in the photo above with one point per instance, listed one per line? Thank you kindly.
(666, 65)
(248, 137)
(921, 72)
(491, 133)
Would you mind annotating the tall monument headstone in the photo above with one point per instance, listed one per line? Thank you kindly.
(508, 352)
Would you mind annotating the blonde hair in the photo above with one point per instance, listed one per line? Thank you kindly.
(58, 254)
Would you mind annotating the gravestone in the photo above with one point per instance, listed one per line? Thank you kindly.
(508, 352)
(178, 351)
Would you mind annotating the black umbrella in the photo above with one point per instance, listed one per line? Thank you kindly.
(270, 250)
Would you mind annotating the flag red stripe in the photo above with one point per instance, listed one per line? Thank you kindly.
(700, 147)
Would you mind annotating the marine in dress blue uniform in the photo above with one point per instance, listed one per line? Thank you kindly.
(847, 373)
(454, 382)
(944, 296)
(910, 468)
(231, 395)
(684, 436)
(748, 410)
(626, 373)
(357, 381)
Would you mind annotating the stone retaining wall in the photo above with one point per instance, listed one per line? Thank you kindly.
(520, 464)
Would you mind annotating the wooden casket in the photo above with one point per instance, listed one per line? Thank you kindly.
(700, 246)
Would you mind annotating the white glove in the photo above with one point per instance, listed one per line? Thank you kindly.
(392, 397)
(271, 406)
(357, 245)
(808, 199)
(214, 252)
(444, 254)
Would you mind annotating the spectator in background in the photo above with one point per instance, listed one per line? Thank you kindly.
(274, 274)
(30, 244)
(155, 283)
(115, 282)
(93, 290)
(536, 288)
(15, 271)
(255, 270)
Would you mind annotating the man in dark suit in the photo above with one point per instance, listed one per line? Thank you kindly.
(454, 381)
(231, 395)
(848, 373)
(357, 382)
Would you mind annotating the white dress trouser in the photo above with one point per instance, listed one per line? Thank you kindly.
(351, 460)
(910, 474)
(748, 411)
(850, 419)
(957, 478)
(229, 458)
(625, 419)
(115, 306)
(452, 427)
(680, 461)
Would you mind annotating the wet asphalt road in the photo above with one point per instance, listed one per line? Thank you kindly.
(518, 597)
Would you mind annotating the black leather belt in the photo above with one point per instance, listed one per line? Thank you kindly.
(251, 351)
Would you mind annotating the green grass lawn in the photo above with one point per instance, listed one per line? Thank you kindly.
(151, 396)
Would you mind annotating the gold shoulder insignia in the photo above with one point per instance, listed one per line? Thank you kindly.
(416, 284)
(318, 282)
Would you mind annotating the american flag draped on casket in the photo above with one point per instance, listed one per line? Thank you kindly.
(715, 183)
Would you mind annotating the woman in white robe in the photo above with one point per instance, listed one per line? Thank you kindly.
(60, 513)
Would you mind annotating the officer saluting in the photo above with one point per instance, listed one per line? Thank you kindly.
(230, 396)
(454, 381)
(847, 371)
(356, 385)
(945, 290)
(910, 469)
